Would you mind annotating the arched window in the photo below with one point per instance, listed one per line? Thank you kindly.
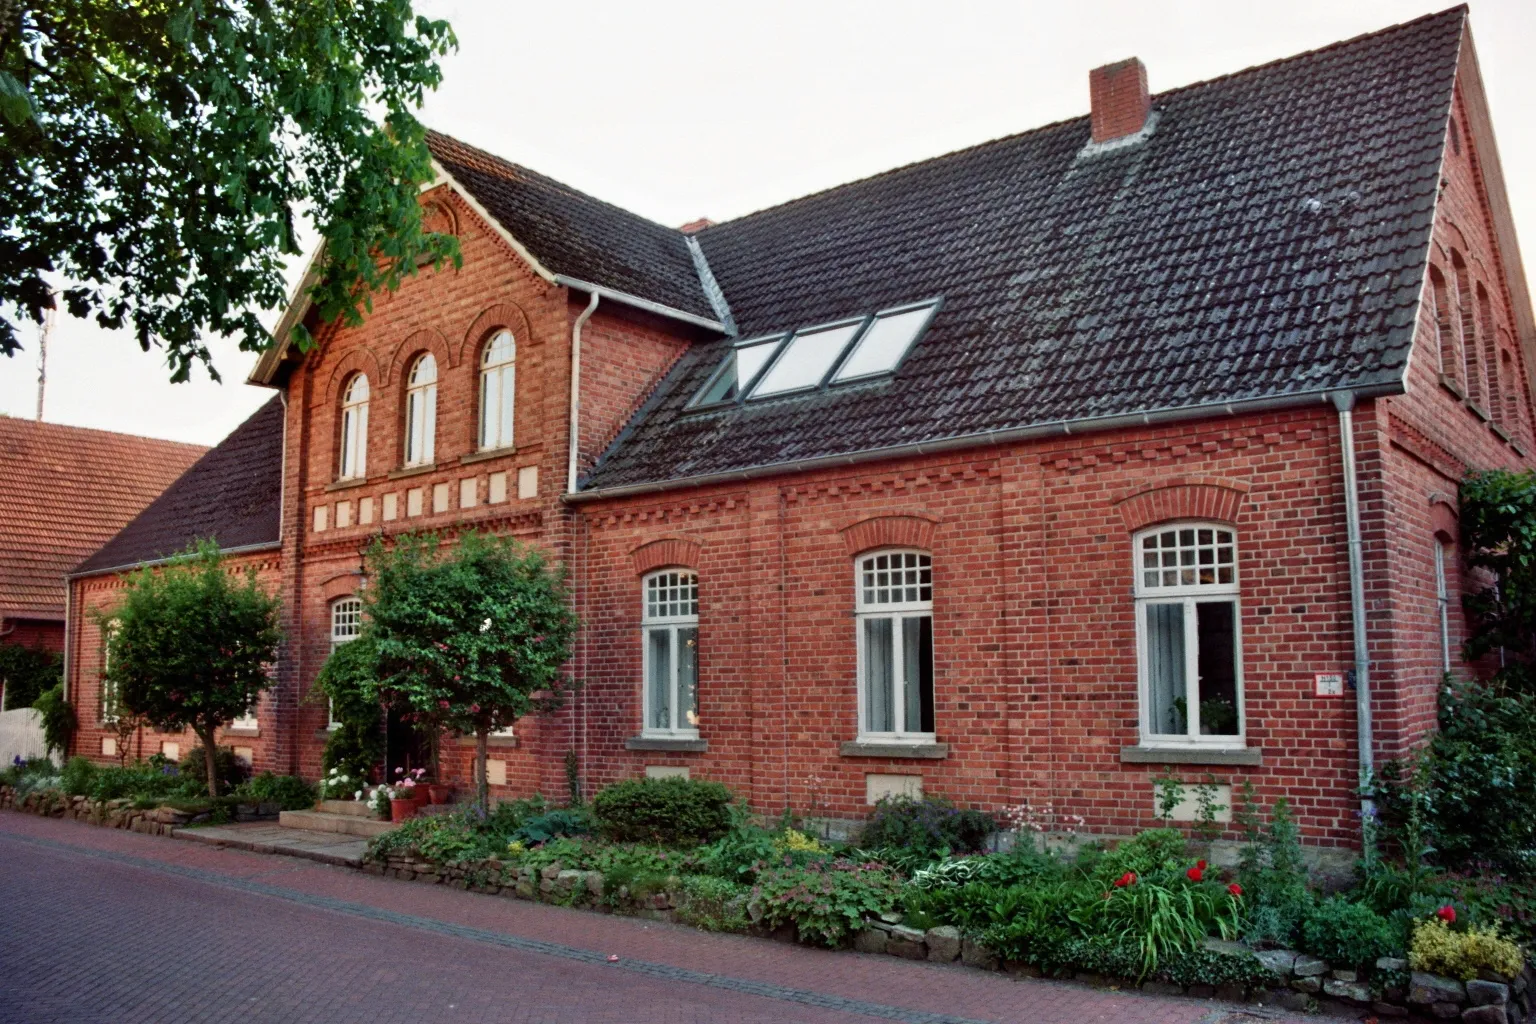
(1490, 355)
(354, 429)
(1471, 351)
(346, 624)
(893, 602)
(669, 627)
(1442, 605)
(1450, 351)
(421, 410)
(498, 387)
(1188, 640)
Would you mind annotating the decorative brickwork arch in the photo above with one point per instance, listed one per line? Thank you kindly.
(503, 314)
(907, 530)
(438, 215)
(343, 584)
(426, 340)
(358, 360)
(666, 551)
(1443, 518)
(1181, 497)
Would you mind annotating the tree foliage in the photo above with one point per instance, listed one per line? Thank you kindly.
(469, 638)
(26, 673)
(346, 680)
(1498, 538)
(190, 646)
(156, 156)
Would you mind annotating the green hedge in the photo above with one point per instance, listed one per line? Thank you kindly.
(671, 812)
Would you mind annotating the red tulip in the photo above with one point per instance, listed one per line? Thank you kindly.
(1196, 874)
(1200, 864)
(1129, 878)
(1235, 889)
(1447, 914)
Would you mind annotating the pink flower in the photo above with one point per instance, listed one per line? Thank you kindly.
(443, 704)
(1447, 914)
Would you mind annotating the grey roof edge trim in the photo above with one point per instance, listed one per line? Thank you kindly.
(712, 290)
(1058, 428)
(624, 298)
(243, 549)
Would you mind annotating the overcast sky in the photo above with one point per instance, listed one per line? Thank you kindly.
(678, 110)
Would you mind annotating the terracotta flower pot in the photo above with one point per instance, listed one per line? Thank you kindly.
(400, 810)
(441, 794)
(422, 795)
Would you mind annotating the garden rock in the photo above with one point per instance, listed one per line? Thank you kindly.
(1487, 993)
(1230, 992)
(1226, 946)
(1311, 985)
(1428, 989)
(906, 942)
(552, 871)
(870, 940)
(594, 883)
(974, 954)
(1289, 1000)
(1162, 988)
(1485, 1015)
(1391, 963)
(943, 944)
(1342, 975)
(1309, 966)
(1388, 1010)
(1445, 1011)
(1348, 991)
(1280, 961)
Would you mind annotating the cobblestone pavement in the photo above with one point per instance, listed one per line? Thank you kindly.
(99, 925)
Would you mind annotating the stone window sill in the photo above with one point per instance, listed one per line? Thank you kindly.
(250, 734)
(1452, 385)
(347, 484)
(401, 474)
(1500, 431)
(674, 744)
(491, 453)
(917, 751)
(1481, 412)
(492, 742)
(1251, 756)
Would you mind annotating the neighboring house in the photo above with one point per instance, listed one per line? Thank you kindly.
(65, 491)
(1013, 475)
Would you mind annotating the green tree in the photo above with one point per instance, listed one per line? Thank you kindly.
(190, 646)
(26, 673)
(157, 154)
(1498, 539)
(346, 682)
(470, 638)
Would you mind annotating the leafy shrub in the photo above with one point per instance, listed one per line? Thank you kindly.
(26, 673)
(1163, 918)
(232, 771)
(1146, 853)
(59, 721)
(541, 828)
(742, 852)
(356, 745)
(1273, 876)
(714, 904)
(1203, 966)
(914, 833)
(287, 791)
(673, 812)
(77, 777)
(1439, 950)
(1347, 933)
(825, 902)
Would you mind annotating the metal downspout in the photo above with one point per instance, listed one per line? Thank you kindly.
(575, 446)
(1344, 401)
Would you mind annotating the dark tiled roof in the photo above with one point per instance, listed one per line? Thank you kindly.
(574, 234)
(232, 495)
(1267, 239)
(66, 490)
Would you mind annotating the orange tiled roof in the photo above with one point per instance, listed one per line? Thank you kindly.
(63, 492)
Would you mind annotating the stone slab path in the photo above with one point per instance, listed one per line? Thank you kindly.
(263, 837)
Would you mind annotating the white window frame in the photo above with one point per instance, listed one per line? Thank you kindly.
(866, 607)
(421, 411)
(354, 429)
(498, 392)
(1443, 605)
(1187, 595)
(672, 625)
(249, 720)
(343, 630)
(106, 696)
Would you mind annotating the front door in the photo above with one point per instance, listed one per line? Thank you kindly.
(406, 747)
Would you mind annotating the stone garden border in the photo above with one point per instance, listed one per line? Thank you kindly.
(154, 821)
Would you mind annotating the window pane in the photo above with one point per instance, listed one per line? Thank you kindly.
(883, 345)
(807, 359)
(740, 366)
(1216, 626)
(508, 387)
(1165, 669)
(688, 678)
(879, 680)
(917, 650)
(489, 400)
(659, 644)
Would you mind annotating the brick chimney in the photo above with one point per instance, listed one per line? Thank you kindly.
(693, 227)
(1119, 99)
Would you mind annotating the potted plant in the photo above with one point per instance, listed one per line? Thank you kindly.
(410, 785)
(442, 792)
(378, 799)
(402, 801)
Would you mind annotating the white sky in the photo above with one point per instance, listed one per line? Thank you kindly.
(677, 110)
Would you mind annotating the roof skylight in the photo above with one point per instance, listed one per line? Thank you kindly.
(885, 342)
(806, 359)
(745, 361)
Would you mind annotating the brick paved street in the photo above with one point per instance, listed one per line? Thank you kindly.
(110, 926)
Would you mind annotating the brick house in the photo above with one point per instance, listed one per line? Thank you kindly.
(66, 491)
(1016, 474)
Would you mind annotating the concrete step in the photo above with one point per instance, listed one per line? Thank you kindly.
(355, 808)
(344, 824)
(264, 837)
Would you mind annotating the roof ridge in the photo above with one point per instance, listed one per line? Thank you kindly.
(32, 424)
(1000, 140)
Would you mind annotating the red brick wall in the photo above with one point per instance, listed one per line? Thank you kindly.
(40, 634)
(622, 362)
(94, 595)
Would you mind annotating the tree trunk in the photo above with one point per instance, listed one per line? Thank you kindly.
(483, 794)
(211, 761)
